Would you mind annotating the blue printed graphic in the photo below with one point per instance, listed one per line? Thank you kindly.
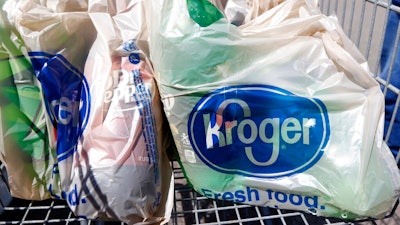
(134, 58)
(143, 99)
(259, 131)
(66, 97)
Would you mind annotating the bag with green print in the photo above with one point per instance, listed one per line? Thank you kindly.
(24, 141)
(271, 104)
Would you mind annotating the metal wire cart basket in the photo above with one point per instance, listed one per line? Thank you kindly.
(364, 21)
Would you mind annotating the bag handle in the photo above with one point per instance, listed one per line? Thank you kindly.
(203, 12)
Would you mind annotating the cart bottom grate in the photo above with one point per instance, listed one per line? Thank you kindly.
(189, 208)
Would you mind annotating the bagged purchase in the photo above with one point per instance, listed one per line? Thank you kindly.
(57, 43)
(124, 139)
(277, 109)
(104, 107)
(24, 142)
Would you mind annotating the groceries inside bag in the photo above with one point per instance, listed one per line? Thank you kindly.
(103, 106)
(24, 141)
(276, 109)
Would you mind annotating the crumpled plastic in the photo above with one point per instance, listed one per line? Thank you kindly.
(103, 107)
(280, 110)
(24, 141)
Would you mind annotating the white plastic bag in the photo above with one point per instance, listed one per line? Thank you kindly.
(103, 106)
(124, 140)
(57, 44)
(24, 147)
(281, 111)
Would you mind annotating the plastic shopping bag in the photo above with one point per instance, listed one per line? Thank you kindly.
(104, 108)
(124, 139)
(279, 111)
(57, 42)
(24, 142)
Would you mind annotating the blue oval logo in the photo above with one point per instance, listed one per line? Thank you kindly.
(258, 131)
(66, 97)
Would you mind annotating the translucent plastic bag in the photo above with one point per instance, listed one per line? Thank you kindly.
(103, 106)
(24, 141)
(280, 111)
(124, 139)
(57, 43)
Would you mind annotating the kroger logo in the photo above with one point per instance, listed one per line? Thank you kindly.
(259, 131)
(66, 97)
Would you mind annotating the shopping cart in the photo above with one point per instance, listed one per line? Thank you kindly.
(364, 21)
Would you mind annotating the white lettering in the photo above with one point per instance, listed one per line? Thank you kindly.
(229, 125)
(120, 85)
(211, 132)
(65, 110)
(307, 123)
(270, 131)
(253, 131)
(291, 125)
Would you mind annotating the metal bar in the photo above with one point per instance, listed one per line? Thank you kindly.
(371, 29)
(359, 33)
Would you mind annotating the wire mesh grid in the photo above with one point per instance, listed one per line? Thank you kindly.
(189, 208)
(192, 208)
(364, 21)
